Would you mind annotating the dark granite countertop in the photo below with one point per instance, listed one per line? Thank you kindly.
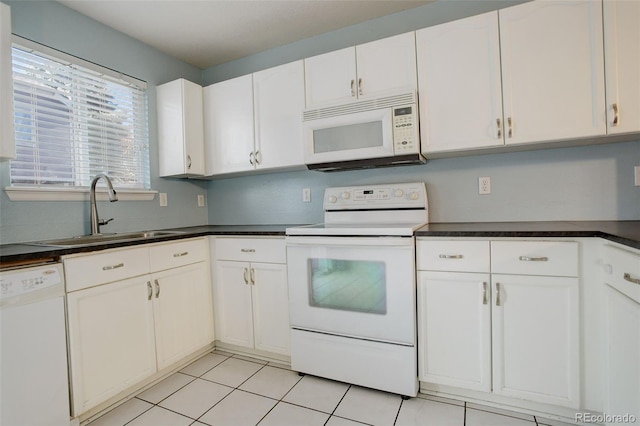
(623, 232)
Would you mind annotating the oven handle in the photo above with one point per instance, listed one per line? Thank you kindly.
(350, 241)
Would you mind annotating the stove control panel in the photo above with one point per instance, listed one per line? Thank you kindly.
(372, 197)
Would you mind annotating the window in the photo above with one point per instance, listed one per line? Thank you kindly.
(73, 122)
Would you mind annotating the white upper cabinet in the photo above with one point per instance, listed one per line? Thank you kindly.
(552, 71)
(366, 71)
(254, 122)
(622, 65)
(228, 112)
(180, 129)
(278, 95)
(459, 84)
(7, 137)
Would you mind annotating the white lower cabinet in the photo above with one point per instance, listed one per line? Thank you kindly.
(622, 333)
(111, 340)
(124, 331)
(515, 335)
(252, 305)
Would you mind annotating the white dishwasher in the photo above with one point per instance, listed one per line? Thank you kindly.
(34, 382)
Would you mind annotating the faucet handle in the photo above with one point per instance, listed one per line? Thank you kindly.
(102, 222)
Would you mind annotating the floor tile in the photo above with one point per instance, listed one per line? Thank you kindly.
(232, 372)
(123, 413)
(239, 409)
(158, 416)
(485, 418)
(279, 365)
(165, 388)
(204, 364)
(502, 411)
(319, 394)
(418, 412)
(248, 358)
(196, 398)
(441, 399)
(271, 382)
(291, 415)
(369, 406)
(339, 421)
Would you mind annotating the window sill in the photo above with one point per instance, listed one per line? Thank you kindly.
(16, 193)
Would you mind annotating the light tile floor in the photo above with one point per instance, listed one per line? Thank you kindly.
(221, 389)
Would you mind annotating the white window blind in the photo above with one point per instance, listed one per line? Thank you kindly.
(72, 123)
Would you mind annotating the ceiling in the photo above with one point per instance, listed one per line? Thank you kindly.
(205, 33)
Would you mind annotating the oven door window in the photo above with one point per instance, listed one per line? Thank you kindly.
(348, 285)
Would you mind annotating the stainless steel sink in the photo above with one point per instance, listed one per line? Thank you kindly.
(87, 240)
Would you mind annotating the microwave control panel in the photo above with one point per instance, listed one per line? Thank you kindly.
(405, 132)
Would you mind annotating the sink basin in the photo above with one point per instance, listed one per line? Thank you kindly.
(86, 240)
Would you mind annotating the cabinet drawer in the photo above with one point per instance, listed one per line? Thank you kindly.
(535, 258)
(179, 253)
(91, 270)
(459, 256)
(267, 250)
(622, 271)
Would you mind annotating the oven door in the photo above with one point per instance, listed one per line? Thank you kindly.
(361, 287)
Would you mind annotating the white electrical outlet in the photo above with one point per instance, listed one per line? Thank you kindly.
(163, 199)
(306, 195)
(636, 171)
(484, 185)
(200, 200)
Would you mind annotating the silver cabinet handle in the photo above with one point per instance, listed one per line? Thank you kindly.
(248, 250)
(252, 158)
(533, 259)
(149, 290)
(360, 86)
(510, 123)
(258, 157)
(353, 90)
(499, 127)
(485, 299)
(188, 161)
(627, 277)
(184, 253)
(616, 115)
(110, 267)
(246, 280)
(451, 256)
(253, 276)
(498, 302)
(157, 288)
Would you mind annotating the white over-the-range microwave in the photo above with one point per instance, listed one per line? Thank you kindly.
(362, 134)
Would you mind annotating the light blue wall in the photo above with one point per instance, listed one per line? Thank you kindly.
(580, 183)
(52, 24)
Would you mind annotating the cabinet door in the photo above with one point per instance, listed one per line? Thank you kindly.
(182, 312)
(330, 78)
(454, 329)
(622, 65)
(270, 307)
(234, 324)
(278, 95)
(535, 338)
(386, 66)
(460, 88)
(623, 353)
(552, 70)
(7, 137)
(180, 129)
(111, 340)
(228, 128)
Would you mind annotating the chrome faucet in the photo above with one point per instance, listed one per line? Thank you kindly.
(95, 221)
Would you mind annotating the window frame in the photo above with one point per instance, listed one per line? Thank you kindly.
(27, 192)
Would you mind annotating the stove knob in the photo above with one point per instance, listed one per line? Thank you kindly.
(333, 199)
(398, 193)
(414, 195)
(345, 195)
